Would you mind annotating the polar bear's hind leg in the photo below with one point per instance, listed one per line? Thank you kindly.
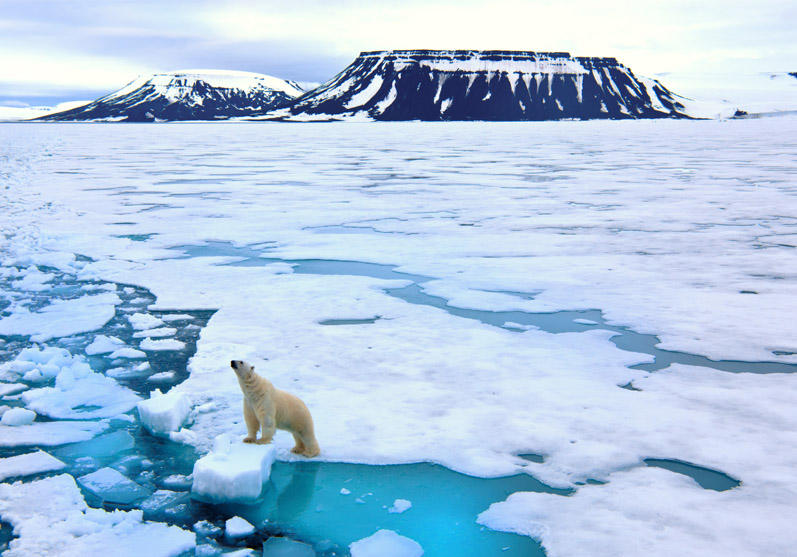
(252, 425)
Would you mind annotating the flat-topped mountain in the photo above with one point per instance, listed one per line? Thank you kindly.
(188, 95)
(484, 85)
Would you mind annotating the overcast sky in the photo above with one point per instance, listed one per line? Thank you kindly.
(53, 50)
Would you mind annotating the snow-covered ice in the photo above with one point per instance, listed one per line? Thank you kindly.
(104, 344)
(144, 321)
(50, 517)
(17, 417)
(128, 353)
(28, 464)
(162, 413)
(11, 388)
(49, 434)
(237, 527)
(386, 543)
(162, 344)
(232, 471)
(674, 229)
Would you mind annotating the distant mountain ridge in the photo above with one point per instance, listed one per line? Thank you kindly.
(485, 85)
(188, 95)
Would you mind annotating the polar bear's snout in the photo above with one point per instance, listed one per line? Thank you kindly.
(235, 363)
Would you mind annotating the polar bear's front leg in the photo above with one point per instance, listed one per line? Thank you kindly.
(252, 425)
(268, 426)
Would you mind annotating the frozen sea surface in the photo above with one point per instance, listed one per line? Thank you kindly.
(613, 298)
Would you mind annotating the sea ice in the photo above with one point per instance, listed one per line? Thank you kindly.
(113, 487)
(49, 433)
(164, 413)
(143, 321)
(11, 388)
(237, 527)
(154, 333)
(386, 543)
(162, 377)
(400, 505)
(163, 344)
(103, 344)
(128, 353)
(278, 546)
(80, 393)
(28, 464)
(50, 517)
(62, 318)
(233, 471)
(167, 505)
(17, 417)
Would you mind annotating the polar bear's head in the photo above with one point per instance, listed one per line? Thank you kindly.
(243, 369)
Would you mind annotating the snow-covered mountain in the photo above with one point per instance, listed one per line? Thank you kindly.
(188, 95)
(484, 85)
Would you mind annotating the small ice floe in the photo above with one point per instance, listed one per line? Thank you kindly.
(207, 529)
(519, 326)
(17, 417)
(162, 377)
(143, 321)
(111, 486)
(128, 353)
(165, 344)
(386, 543)
(28, 464)
(278, 546)
(156, 333)
(49, 434)
(233, 471)
(400, 505)
(585, 321)
(164, 413)
(344, 491)
(237, 527)
(103, 344)
(166, 505)
(11, 388)
(177, 317)
(80, 393)
(177, 482)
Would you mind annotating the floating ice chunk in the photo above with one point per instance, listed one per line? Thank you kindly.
(165, 344)
(233, 471)
(33, 280)
(177, 481)
(585, 321)
(344, 491)
(49, 433)
(113, 487)
(17, 417)
(207, 529)
(400, 505)
(278, 546)
(34, 376)
(162, 377)
(164, 413)
(28, 464)
(166, 505)
(50, 517)
(142, 321)
(80, 393)
(62, 317)
(237, 527)
(4, 408)
(42, 363)
(184, 436)
(154, 333)
(386, 543)
(11, 388)
(103, 344)
(177, 317)
(128, 353)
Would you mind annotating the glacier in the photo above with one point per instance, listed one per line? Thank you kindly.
(457, 295)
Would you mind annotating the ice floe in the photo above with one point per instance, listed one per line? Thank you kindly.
(17, 417)
(237, 527)
(164, 413)
(50, 517)
(386, 543)
(233, 471)
(28, 464)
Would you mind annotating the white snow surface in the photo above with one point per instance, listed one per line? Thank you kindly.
(103, 344)
(233, 471)
(50, 517)
(675, 228)
(386, 543)
(237, 527)
(17, 417)
(28, 464)
(163, 413)
(162, 344)
(62, 317)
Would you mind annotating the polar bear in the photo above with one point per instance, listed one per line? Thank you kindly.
(268, 409)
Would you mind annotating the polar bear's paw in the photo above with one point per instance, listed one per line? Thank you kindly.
(249, 439)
